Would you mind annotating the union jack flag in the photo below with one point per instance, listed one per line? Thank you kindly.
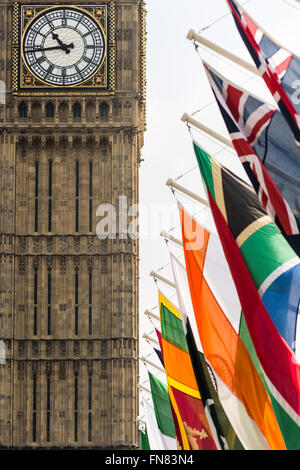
(279, 68)
(248, 121)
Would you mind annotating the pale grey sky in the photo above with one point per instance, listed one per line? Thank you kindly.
(176, 84)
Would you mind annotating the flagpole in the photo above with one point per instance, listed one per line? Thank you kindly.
(143, 359)
(183, 190)
(194, 36)
(147, 337)
(141, 387)
(150, 314)
(171, 238)
(162, 279)
(187, 118)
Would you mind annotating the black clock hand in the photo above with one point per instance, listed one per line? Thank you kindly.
(55, 37)
(63, 47)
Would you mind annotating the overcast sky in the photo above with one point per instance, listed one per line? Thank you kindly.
(176, 84)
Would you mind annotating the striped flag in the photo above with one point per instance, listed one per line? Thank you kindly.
(240, 388)
(266, 273)
(279, 68)
(163, 413)
(193, 429)
(144, 440)
(153, 433)
(252, 123)
(224, 434)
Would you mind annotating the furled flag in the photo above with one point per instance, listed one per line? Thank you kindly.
(157, 349)
(163, 413)
(190, 418)
(144, 440)
(159, 355)
(266, 273)
(267, 150)
(224, 434)
(240, 388)
(279, 68)
(153, 432)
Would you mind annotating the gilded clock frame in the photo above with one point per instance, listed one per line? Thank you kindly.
(25, 83)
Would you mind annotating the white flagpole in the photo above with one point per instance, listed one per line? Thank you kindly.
(193, 35)
(141, 387)
(162, 279)
(187, 118)
(151, 314)
(147, 337)
(143, 359)
(183, 190)
(171, 238)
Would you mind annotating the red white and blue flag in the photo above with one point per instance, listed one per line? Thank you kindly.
(273, 172)
(279, 68)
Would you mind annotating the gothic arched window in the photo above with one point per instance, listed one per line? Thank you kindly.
(49, 110)
(77, 110)
(90, 111)
(36, 112)
(63, 111)
(23, 109)
(103, 110)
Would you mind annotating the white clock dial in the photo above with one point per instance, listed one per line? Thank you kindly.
(63, 46)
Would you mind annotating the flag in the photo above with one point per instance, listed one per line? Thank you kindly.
(153, 432)
(266, 274)
(243, 393)
(279, 68)
(267, 151)
(192, 426)
(159, 355)
(224, 435)
(144, 440)
(272, 263)
(163, 413)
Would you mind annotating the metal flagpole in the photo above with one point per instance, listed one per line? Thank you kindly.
(150, 314)
(189, 119)
(141, 387)
(163, 279)
(143, 359)
(193, 35)
(170, 237)
(183, 190)
(147, 337)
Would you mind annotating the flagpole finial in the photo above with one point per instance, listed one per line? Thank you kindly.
(191, 34)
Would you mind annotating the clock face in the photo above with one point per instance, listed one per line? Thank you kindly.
(63, 47)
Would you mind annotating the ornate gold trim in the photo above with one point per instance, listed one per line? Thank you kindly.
(103, 79)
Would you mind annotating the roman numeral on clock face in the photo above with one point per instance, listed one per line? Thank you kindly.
(40, 60)
(64, 20)
(78, 70)
(50, 69)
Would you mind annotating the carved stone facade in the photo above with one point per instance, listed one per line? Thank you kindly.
(68, 300)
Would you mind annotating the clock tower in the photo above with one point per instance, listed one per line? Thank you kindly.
(72, 125)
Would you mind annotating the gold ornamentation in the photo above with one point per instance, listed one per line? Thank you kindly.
(193, 434)
(100, 12)
(24, 82)
(98, 80)
(29, 13)
(28, 80)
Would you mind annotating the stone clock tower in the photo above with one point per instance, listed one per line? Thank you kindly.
(71, 136)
